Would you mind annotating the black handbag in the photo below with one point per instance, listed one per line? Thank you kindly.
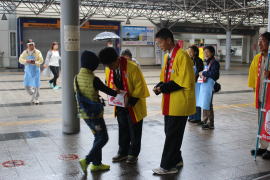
(217, 87)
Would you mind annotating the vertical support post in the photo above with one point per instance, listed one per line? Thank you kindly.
(228, 49)
(70, 46)
(249, 50)
(268, 26)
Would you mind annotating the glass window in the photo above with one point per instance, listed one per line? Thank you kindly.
(12, 40)
(235, 42)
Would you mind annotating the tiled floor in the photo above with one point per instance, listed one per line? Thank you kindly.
(31, 136)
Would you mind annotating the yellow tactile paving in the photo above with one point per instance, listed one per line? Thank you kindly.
(107, 116)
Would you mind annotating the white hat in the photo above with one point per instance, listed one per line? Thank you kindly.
(30, 41)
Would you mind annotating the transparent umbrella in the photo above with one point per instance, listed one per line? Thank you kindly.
(106, 36)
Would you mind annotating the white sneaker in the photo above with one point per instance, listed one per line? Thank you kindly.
(36, 101)
(56, 87)
(161, 171)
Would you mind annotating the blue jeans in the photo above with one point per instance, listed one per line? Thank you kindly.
(197, 115)
(99, 130)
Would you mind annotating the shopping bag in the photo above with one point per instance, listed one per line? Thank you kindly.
(47, 72)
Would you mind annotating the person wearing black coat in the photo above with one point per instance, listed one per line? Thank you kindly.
(212, 72)
(193, 52)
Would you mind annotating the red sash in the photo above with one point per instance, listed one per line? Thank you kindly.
(258, 83)
(167, 78)
(123, 70)
(265, 129)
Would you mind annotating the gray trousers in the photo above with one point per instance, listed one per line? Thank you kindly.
(33, 91)
(264, 145)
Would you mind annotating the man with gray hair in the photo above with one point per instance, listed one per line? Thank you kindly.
(128, 55)
(31, 58)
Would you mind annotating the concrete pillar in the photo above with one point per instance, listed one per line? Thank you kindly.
(249, 50)
(228, 49)
(244, 49)
(268, 27)
(70, 43)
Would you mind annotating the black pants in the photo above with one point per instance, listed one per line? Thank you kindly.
(174, 131)
(99, 130)
(55, 71)
(130, 134)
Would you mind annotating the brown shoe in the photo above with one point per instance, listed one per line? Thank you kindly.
(131, 159)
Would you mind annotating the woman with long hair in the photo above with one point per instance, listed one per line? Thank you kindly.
(193, 52)
(52, 61)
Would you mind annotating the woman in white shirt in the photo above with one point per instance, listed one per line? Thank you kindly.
(52, 61)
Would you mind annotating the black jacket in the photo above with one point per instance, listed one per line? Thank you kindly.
(213, 71)
(199, 66)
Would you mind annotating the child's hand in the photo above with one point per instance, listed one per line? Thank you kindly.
(157, 90)
(200, 74)
(118, 91)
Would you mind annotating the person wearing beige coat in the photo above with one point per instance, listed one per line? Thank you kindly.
(32, 58)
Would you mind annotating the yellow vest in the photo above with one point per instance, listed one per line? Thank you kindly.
(182, 102)
(85, 79)
(136, 88)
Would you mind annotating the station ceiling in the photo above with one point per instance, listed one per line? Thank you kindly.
(223, 12)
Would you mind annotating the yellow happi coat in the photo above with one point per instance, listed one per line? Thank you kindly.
(136, 88)
(253, 73)
(181, 102)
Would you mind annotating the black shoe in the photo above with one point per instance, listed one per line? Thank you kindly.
(131, 159)
(179, 164)
(119, 158)
(207, 126)
(259, 152)
(266, 155)
(195, 121)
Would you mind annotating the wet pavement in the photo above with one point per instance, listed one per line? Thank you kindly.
(32, 145)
